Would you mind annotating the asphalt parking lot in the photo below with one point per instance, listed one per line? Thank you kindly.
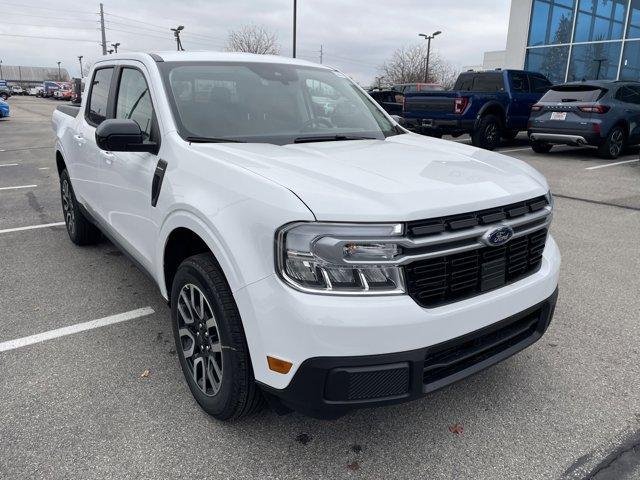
(110, 402)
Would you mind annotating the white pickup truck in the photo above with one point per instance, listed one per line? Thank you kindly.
(314, 253)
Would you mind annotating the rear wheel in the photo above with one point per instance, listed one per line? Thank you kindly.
(4, 96)
(81, 231)
(541, 147)
(488, 133)
(614, 144)
(210, 340)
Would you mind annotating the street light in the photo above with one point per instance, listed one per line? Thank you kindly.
(115, 46)
(59, 74)
(176, 33)
(80, 60)
(428, 38)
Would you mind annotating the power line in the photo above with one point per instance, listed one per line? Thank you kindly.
(47, 26)
(48, 17)
(164, 28)
(22, 5)
(48, 38)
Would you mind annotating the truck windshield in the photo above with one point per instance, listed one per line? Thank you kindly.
(269, 103)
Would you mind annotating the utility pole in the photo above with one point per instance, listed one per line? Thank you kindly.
(0, 69)
(295, 21)
(176, 33)
(321, 54)
(104, 34)
(80, 60)
(428, 38)
(115, 46)
(59, 74)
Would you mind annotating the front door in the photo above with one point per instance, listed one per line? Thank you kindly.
(129, 175)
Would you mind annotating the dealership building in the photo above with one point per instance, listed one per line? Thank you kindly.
(573, 40)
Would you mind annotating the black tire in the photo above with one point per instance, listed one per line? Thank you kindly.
(4, 96)
(81, 231)
(510, 135)
(541, 147)
(615, 143)
(237, 394)
(488, 133)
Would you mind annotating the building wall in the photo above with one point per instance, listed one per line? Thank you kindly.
(31, 76)
(574, 40)
(495, 59)
(518, 33)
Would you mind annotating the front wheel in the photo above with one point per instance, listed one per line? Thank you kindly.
(614, 144)
(488, 133)
(210, 340)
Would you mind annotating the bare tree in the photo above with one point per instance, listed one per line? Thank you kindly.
(253, 39)
(407, 65)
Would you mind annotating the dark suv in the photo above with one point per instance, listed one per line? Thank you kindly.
(602, 114)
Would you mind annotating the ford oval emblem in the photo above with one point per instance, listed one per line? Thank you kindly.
(498, 236)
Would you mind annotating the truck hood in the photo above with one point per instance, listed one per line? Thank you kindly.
(403, 178)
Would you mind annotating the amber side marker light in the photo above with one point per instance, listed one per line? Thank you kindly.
(280, 366)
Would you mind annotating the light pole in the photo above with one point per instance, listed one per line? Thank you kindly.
(295, 21)
(176, 33)
(0, 69)
(80, 60)
(59, 74)
(428, 38)
(115, 46)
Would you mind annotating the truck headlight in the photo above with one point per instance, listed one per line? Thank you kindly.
(340, 259)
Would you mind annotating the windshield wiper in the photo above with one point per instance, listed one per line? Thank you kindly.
(330, 138)
(212, 140)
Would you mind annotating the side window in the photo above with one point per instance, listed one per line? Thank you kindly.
(635, 98)
(96, 111)
(134, 100)
(519, 83)
(624, 94)
(540, 84)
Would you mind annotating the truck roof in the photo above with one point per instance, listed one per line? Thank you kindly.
(207, 56)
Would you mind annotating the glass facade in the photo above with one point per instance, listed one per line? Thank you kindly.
(573, 40)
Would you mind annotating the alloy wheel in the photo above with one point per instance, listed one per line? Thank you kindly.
(491, 133)
(67, 206)
(616, 143)
(200, 339)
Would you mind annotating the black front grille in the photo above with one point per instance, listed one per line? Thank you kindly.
(448, 359)
(453, 223)
(438, 281)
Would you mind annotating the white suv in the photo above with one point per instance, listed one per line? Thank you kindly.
(314, 253)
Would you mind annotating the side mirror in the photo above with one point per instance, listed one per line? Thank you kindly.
(398, 119)
(122, 135)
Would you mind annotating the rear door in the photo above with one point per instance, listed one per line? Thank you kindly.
(522, 100)
(629, 98)
(87, 176)
(129, 175)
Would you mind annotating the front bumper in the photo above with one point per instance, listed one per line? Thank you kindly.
(328, 387)
(318, 333)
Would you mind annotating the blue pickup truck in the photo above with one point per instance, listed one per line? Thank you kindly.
(488, 105)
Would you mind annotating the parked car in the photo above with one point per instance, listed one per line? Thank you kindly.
(324, 259)
(5, 91)
(388, 99)
(417, 87)
(49, 88)
(39, 91)
(17, 90)
(488, 106)
(601, 114)
(4, 109)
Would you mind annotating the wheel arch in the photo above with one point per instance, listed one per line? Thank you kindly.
(60, 163)
(492, 108)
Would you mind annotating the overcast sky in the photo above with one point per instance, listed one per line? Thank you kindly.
(357, 35)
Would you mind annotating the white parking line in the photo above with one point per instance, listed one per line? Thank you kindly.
(16, 188)
(8, 165)
(43, 168)
(77, 328)
(31, 227)
(613, 164)
(514, 150)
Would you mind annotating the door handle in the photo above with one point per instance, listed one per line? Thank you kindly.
(80, 139)
(108, 157)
